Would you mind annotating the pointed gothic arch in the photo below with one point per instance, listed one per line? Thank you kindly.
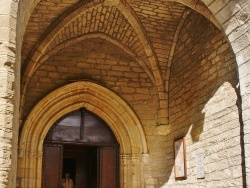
(97, 99)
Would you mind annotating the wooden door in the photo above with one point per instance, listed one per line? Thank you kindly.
(52, 160)
(81, 173)
(109, 171)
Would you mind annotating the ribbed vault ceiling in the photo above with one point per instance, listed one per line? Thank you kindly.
(147, 30)
(158, 22)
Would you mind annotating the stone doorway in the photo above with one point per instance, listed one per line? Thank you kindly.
(82, 145)
(100, 101)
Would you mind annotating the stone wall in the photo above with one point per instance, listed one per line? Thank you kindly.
(234, 17)
(103, 63)
(203, 106)
(196, 99)
(9, 93)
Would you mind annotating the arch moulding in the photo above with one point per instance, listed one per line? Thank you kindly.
(97, 99)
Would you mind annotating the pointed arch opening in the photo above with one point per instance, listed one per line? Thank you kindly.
(97, 99)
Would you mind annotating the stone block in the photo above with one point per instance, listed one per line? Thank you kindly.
(243, 56)
(228, 11)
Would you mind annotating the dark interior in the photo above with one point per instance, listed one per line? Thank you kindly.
(81, 163)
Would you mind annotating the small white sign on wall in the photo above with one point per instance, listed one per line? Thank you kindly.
(200, 173)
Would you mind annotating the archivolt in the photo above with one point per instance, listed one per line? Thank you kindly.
(95, 98)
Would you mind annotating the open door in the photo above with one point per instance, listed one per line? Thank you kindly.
(109, 171)
(83, 145)
(52, 166)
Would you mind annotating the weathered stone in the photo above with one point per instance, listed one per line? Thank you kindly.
(168, 63)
